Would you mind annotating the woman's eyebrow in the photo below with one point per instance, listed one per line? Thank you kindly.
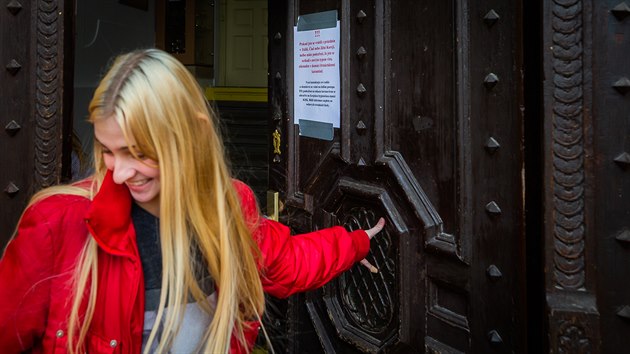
(124, 148)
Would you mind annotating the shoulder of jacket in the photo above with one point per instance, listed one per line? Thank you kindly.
(60, 205)
(240, 186)
(245, 193)
(249, 204)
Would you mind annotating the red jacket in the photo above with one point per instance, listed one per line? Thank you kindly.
(37, 267)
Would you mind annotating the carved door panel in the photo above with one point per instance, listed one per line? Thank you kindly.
(32, 101)
(431, 139)
(587, 164)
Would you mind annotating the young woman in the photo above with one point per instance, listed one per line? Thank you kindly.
(160, 250)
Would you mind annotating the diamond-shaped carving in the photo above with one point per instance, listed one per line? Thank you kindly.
(622, 85)
(624, 236)
(361, 162)
(361, 52)
(361, 16)
(278, 36)
(490, 80)
(13, 67)
(494, 273)
(12, 128)
(623, 159)
(361, 90)
(493, 208)
(494, 337)
(361, 127)
(14, 7)
(624, 312)
(491, 18)
(11, 189)
(621, 11)
(492, 145)
(278, 76)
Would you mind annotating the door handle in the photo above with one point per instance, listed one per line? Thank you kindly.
(273, 205)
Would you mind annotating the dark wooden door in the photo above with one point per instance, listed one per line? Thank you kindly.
(431, 139)
(587, 169)
(35, 110)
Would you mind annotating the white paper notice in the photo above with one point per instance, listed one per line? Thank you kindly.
(316, 74)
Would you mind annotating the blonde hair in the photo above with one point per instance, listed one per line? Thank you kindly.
(159, 105)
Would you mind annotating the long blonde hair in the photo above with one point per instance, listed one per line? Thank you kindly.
(158, 103)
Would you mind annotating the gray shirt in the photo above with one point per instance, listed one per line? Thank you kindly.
(195, 321)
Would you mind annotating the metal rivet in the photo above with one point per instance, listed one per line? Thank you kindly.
(622, 85)
(492, 145)
(493, 208)
(621, 11)
(361, 90)
(361, 53)
(361, 162)
(59, 333)
(11, 189)
(624, 236)
(624, 312)
(13, 67)
(491, 18)
(14, 7)
(490, 80)
(494, 337)
(113, 343)
(493, 272)
(278, 36)
(361, 128)
(12, 128)
(361, 16)
(623, 159)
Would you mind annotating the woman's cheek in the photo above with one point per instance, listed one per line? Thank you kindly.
(109, 161)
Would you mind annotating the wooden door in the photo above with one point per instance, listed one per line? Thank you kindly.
(431, 139)
(35, 110)
(587, 175)
(246, 43)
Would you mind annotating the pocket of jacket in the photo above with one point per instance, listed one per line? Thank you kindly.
(96, 344)
(60, 341)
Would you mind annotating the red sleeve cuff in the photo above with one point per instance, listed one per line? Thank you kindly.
(361, 242)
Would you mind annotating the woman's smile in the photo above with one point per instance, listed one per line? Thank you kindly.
(140, 175)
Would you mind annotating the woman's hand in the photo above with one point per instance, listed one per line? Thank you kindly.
(371, 233)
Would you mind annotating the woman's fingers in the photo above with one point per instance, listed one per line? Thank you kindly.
(369, 266)
(376, 229)
(371, 233)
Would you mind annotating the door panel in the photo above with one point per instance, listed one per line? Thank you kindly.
(35, 109)
(431, 139)
(246, 44)
(587, 229)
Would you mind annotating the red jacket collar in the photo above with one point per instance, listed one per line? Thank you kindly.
(109, 218)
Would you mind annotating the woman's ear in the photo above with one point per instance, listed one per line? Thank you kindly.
(202, 117)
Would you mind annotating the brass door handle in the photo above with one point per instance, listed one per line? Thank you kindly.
(273, 205)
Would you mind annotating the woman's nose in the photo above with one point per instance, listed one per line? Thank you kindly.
(123, 171)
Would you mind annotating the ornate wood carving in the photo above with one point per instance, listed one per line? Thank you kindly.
(370, 298)
(568, 145)
(48, 97)
(572, 303)
(436, 239)
(572, 339)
